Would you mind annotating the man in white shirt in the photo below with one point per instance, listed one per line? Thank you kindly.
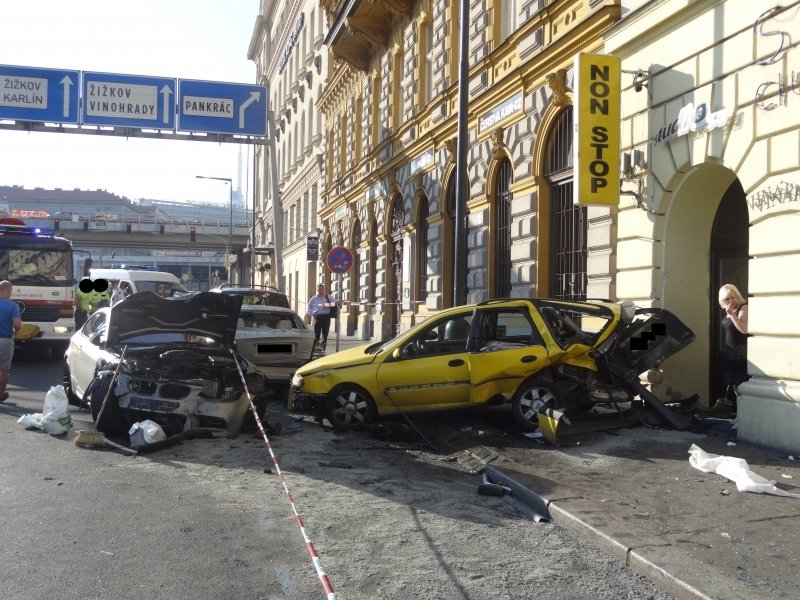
(320, 307)
(117, 295)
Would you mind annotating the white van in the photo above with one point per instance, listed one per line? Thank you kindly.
(162, 283)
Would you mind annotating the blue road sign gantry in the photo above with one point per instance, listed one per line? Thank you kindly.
(42, 95)
(216, 107)
(116, 100)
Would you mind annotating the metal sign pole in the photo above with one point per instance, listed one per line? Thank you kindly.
(338, 308)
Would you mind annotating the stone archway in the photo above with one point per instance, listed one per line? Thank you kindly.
(685, 279)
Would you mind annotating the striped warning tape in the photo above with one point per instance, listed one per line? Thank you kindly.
(361, 303)
(323, 577)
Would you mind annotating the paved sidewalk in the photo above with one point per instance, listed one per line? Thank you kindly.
(634, 494)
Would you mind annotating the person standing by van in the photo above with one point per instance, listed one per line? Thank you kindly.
(117, 295)
(83, 306)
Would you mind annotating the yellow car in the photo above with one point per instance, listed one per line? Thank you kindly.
(535, 353)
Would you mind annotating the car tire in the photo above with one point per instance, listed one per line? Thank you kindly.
(350, 408)
(112, 422)
(534, 395)
(66, 381)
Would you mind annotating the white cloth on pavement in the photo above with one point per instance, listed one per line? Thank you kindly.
(735, 469)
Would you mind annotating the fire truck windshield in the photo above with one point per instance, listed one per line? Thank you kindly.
(35, 260)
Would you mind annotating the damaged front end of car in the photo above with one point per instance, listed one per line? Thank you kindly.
(177, 368)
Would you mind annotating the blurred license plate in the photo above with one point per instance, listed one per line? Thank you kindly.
(152, 404)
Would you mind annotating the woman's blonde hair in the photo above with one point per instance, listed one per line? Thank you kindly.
(729, 288)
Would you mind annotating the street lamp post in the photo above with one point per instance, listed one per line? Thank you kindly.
(229, 181)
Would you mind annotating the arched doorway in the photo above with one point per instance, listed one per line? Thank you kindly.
(728, 262)
(685, 284)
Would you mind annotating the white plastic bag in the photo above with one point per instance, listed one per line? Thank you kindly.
(146, 432)
(56, 418)
(32, 421)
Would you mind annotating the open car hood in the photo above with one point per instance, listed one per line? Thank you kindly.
(205, 314)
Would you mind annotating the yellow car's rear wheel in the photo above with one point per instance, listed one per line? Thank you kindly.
(532, 397)
(350, 407)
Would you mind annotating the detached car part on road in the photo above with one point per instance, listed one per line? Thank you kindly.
(540, 355)
(179, 370)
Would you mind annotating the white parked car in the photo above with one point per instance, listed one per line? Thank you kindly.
(274, 339)
(179, 369)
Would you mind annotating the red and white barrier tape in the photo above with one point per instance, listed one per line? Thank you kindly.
(323, 577)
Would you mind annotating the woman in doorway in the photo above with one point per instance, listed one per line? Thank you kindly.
(734, 330)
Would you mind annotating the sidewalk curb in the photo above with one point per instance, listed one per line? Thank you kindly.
(534, 505)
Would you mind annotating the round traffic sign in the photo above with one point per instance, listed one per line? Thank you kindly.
(339, 259)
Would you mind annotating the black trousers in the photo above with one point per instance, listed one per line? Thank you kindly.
(322, 326)
(80, 318)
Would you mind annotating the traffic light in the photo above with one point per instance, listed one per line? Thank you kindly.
(86, 224)
(57, 224)
(161, 228)
(192, 232)
(128, 227)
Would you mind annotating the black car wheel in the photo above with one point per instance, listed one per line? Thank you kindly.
(66, 381)
(534, 396)
(350, 407)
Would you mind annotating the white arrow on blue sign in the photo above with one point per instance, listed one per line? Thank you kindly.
(216, 107)
(41, 95)
(116, 100)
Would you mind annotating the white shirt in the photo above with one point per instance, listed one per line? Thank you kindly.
(320, 305)
(117, 295)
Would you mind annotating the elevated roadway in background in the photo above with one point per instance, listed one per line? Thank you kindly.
(212, 235)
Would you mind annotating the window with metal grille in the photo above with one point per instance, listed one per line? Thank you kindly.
(502, 222)
(422, 250)
(450, 241)
(568, 225)
(395, 293)
(355, 271)
(373, 259)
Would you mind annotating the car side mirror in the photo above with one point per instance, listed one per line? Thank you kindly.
(397, 355)
(95, 338)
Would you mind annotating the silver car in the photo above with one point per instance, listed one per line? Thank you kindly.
(179, 367)
(274, 339)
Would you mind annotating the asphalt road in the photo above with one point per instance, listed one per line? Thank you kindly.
(210, 519)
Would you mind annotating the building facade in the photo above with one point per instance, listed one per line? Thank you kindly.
(391, 113)
(711, 192)
(287, 48)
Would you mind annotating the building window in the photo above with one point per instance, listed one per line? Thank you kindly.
(568, 224)
(502, 224)
(455, 39)
(427, 65)
(422, 250)
(507, 19)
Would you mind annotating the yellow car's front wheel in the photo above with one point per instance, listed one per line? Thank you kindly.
(350, 407)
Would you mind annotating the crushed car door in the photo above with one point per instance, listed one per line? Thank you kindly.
(506, 349)
(431, 369)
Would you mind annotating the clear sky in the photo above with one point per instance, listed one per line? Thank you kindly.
(182, 39)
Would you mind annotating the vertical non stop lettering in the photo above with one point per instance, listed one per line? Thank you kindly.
(599, 104)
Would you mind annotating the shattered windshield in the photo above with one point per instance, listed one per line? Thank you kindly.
(36, 266)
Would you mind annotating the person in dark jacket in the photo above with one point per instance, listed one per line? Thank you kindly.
(734, 331)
